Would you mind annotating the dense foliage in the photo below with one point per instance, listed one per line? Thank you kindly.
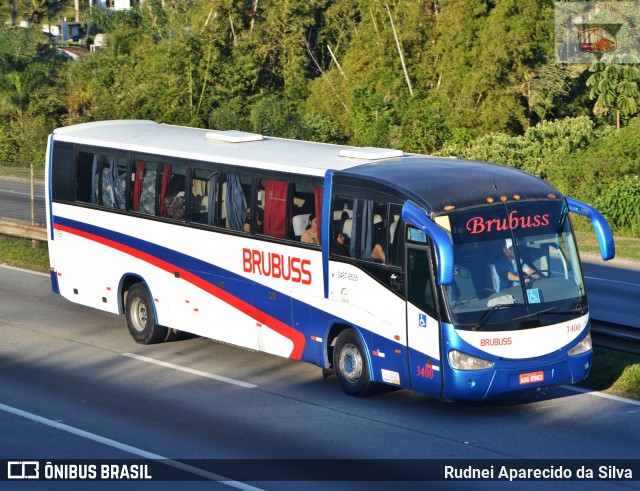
(474, 78)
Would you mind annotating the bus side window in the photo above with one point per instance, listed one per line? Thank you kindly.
(101, 180)
(85, 178)
(145, 185)
(172, 196)
(369, 233)
(307, 211)
(283, 207)
(159, 189)
(367, 230)
(306, 198)
(380, 252)
(234, 190)
(119, 175)
(204, 196)
(420, 288)
(341, 226)
(396, 251)
(274, 199)
(111, 182)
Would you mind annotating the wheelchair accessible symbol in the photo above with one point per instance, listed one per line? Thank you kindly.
(533, 295)
(422, 320)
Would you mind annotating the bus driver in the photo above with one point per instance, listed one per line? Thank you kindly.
(505, 271)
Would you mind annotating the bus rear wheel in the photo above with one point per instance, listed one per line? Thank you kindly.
(350, 364)
(141, 319)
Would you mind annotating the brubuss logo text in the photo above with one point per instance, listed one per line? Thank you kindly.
(288, 268)
(495, 342)
(478, 225)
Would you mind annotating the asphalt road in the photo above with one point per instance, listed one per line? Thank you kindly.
(613, 289)
(15, 200)
(74, 385)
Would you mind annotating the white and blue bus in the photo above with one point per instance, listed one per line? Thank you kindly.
(453, 278)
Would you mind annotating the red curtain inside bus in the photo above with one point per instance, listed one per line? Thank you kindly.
(164, 189)
(275, 208)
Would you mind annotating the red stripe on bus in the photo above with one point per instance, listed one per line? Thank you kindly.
(285, 330)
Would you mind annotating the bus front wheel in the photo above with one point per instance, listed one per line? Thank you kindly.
(350, 364)
(141, 319)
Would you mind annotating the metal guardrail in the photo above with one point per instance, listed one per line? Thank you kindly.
(615, 336)
(22, 229)
(18, 228)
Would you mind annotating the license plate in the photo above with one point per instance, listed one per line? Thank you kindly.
(532, 377)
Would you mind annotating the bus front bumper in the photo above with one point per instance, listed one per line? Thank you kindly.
(503, 379)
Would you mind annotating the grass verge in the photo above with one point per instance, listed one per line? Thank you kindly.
(626, 247)
(614, 372)
(20, 253)
(21, 172)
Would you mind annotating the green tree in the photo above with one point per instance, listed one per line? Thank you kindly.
(543, 88)
(30, 94)
(487, 56)
(615, 88)
(366, 78)
(18, 90)
(36, 10)
(619, 203)
(105, 20)
(542, 150)
(14, 11)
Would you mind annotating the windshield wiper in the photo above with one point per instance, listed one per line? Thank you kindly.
(488, 313)
(533, 315)
(550, 311)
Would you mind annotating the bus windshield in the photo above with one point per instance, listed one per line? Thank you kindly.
(516, 266)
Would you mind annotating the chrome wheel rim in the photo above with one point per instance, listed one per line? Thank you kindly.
(139, 315)
(351, 363)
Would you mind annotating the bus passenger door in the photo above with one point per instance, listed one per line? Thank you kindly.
(423, 326)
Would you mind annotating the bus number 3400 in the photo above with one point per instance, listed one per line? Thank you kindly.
(425, 371)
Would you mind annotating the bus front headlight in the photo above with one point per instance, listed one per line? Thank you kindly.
(463, 361)
(582, 347)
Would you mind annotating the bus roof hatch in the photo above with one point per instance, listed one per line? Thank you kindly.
(371, 153)
(232, 136)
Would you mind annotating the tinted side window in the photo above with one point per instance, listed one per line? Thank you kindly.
(342, 226)
(205, 198)
(159, 189)
(420, 286)
(101, 179)
(173, 195)
(234, 188)
(63, 185)
(361, 230)
(287, 208)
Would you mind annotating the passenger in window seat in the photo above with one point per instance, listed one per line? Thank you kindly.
(310, 235)
(174, 205)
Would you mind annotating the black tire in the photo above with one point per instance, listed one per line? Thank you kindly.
(173, 335)
(177, 335)
(141, 318)
(350, 364)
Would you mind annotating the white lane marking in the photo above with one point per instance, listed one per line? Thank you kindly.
(602, 394)
(605, 280)
(127, 448)
(220, 378)
(13, 191)
(22, 270)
